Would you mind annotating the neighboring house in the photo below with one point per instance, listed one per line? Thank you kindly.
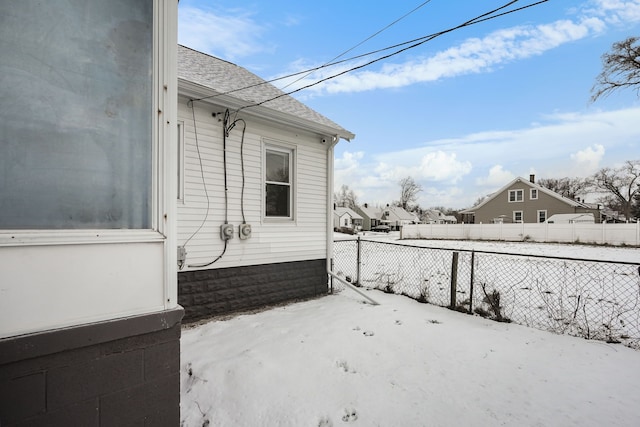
(523, 200)
(434, 216)
(255, 218)
(450, 219)
(575, 218)
(346, 217)
(89, 318)
(370, 216)
(396, 217)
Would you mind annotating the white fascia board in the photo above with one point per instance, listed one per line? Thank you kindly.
(196, 91)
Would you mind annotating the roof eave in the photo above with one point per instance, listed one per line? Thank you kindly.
(196, 91)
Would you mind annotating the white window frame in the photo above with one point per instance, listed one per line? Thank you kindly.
(291, 149)
(545, 215)
(521, 220)
(163, 17)
(533, 194)
(181, 151)
(515, 193)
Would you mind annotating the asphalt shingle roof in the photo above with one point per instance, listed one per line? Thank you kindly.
(223, 76)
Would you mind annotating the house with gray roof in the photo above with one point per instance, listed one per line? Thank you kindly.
(371, 216)
(396, 217)
(255, 188)
(346, 217)
(523, 200)
(434, 216)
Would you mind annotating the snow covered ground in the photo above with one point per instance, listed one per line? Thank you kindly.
(335, 361)
(592, 252)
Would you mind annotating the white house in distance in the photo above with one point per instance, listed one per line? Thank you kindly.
(346, 217)
(255, 192)
(89, 317)
(434, 216)
(396, 217)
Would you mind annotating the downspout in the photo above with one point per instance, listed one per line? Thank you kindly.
(330, 162)
(329, 245)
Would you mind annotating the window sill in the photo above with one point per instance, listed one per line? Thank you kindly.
(271, 220)
(76, 237)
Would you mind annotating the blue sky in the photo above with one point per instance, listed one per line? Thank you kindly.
(464, 113)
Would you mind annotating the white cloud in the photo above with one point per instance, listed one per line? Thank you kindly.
(588, 160)
(477, 55)
(560, 145)
(615, 11)
(226, 34)
(497, 177)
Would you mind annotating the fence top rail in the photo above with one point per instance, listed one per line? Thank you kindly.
(494, 252)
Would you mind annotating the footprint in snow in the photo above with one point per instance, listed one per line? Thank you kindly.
(325, 422)
(350, 415)
(343, 365)
(398, 322)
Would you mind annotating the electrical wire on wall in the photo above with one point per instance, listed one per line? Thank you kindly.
(191, 105)
(226, 129)
(244, 128)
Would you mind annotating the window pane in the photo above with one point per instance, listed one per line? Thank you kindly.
(277, 201)
(277, 166)
(76, 90)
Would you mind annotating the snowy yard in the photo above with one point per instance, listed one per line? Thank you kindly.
(335, 361)
(591, 299)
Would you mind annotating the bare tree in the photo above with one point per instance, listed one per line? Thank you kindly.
(409, 190)
(346, 197)
(620, 69)
(567, 187)
(620, 185)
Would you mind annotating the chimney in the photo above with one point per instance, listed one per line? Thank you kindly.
(532, 178)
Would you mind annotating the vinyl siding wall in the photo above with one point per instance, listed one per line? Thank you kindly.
(303, 238)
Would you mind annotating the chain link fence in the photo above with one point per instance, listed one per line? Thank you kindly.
(585, 298)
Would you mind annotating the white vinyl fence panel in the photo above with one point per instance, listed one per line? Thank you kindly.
(612, 234)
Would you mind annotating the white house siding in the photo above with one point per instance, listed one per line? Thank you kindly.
(272, 241)
(62, 286)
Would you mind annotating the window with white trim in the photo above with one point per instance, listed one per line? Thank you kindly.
(278, 178)
(517, 217)
(516, 195)
(533, 193)
(542, 216)
(77, 115)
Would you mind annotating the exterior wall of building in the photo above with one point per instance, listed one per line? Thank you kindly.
(366, 220)
(273, 240)
(54, 286)
(121, 372)
(74, 271)
(208, 293)
(284, 259)
(501, 207)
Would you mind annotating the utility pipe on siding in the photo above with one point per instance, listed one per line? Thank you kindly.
(329, 227)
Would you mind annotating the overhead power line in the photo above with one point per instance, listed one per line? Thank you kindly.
(487, 16)
(359, 44)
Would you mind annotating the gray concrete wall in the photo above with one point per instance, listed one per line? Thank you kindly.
(121, 372)
(206, 293)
